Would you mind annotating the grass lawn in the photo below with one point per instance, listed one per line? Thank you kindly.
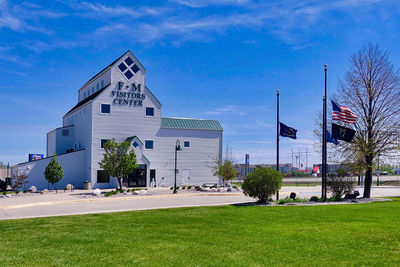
(340, 235)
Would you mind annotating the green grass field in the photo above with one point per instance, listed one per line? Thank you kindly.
(339, 235)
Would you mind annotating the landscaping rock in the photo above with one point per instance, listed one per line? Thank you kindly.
(32, 189)
(69, 187)
(44, 191)
(213, 190)
(230, 189)
(96, 192)
(127, 193)
(199, 188)
(135, 193)
(142, 192)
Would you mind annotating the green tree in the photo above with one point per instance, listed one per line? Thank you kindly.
(54, 172)
(119, 159)
(227, 171)
(2, 165)
(262, 183)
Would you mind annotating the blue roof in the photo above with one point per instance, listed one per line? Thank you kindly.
(190, 124)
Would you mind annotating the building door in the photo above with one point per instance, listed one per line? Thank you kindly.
(137, 178)
(186, 176)
(153, 181)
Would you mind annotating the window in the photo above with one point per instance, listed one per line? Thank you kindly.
(186, 144)
(103, 141)
(128, 61)
(92, 90)
(79, 145)
(65, 132)
(97, 86)
(122, 67)
(103, 176)
(135, 144)
(149, 144)
(84, 95)
(88, 92)
(105, 108)
(149, 112)
(135, 68)
(102, 84)
(128, 74)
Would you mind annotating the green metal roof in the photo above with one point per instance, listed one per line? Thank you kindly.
(191, 124)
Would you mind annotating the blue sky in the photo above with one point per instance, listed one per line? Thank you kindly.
(220, 59)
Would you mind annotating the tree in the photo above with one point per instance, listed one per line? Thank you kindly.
(225, 169)
(371, 88)
(119, 159)
(20, 180)
(262, 183)
(54, 172)
(2, 165)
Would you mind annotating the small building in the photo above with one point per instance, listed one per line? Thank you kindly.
(116, 103)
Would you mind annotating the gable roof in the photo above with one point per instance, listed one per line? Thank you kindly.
(130, 139)
(153, 96)
(109, 66)
(86, 100)
(190, 124)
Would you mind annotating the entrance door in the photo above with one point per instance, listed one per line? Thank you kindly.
(137, 178)
(186, 176)
(153, 178)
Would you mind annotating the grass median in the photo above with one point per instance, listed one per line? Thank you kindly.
(364, 234)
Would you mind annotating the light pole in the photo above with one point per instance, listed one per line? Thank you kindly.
(378, 172)
(177, 148)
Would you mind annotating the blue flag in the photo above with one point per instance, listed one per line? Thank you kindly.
(330, 139)
(287, 131)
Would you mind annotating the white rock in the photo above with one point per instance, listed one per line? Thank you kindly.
(222, 189)
(44, 191)
(127, 193)
(69, 187)
(213, 189)
(135, 193)
(230, 189)
(96, 192)
(199, 188)
(142, 192)
(32, 189)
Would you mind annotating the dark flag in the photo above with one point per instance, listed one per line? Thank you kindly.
(287, 131)
(342, 113)
(342, 133)
(330, 139)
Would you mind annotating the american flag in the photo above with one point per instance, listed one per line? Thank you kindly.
(342, 113)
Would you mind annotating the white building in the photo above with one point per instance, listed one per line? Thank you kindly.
(116, 103)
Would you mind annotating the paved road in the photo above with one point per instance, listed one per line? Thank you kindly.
(73, 203)
(318, 179)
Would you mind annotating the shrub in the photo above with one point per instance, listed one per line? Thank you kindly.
(4, 193)
(189, 187)
(16, 192)
(171, 188)
(108, 194)
(235, 186)
(25, 191)
(314, 199)
(177, 188)
(285, 200)
(339, 184)
(301, 200)
(262, 183)
(183, 187)
(335, 198)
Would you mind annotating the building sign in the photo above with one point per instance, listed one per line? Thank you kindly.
(33, 157)
(128, 95)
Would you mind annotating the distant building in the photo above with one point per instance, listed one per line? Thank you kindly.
(241, 168)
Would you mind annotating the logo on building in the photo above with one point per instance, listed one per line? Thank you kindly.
(128, 95)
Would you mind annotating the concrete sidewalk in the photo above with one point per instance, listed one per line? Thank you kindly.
(81, 202)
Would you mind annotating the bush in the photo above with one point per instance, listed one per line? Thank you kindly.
(339, 183)
(314, 199)
(285, 200)
(108, 194)
(4, 193)
(235, 186)
(189, 187)
(171, 188)
(335, 198)
(16, 192)
(262, 183)
(183, 187)
(25, 191)
(300, 200)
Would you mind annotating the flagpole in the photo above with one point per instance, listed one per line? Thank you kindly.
(324, 147)
(277, 137)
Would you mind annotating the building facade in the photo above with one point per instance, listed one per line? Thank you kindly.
(116, 103)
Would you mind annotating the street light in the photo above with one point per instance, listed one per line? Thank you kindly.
(378, 172)
(177, 148)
